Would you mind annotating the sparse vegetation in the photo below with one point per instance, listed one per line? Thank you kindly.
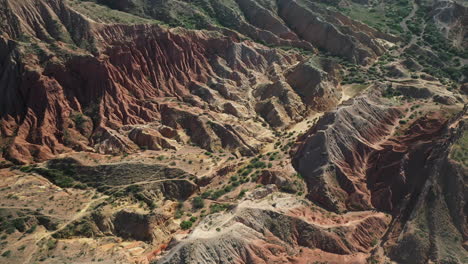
(216, 208)
(460, 150)
(60, 178)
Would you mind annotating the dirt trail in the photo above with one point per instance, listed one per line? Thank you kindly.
(404, 25)
(352, 222)
(77, 216)
(147, 182)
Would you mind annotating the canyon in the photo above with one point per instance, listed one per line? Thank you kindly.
(233, 131)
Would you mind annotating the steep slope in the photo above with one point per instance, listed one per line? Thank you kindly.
(407, 174)
(91, 96)
(278, 229)
(233, 131)
(436, 205)
(279, 23)
(451, 18)
(333, 155)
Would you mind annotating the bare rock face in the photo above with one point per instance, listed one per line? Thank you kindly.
(278, 23)
(435, 204)
(414, 92)
(464, 88)
(120, 74)
(116, 84)
(332, 163)
(407, 175)
(276, 228)
(332, 31)
(452, 20)
(150, 139)
(149, 227)
(317, 88)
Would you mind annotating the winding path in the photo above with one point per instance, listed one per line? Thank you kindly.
(404, 25)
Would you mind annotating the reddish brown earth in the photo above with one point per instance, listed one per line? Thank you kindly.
(112, 132)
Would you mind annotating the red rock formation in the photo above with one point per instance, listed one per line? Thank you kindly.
(408, 175)
(119, 85)
(278, 229)
(332, 156)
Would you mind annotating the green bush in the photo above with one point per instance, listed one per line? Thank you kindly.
(218, 194)
(216, 208)
(206, 194)
(32, 229)
(51, 244)
(18, 223)
(56, 176)
(242, 193)
(186, 225)
(178, 214)
(79, 120)
(198, 202)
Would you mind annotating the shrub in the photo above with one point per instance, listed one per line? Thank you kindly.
(186, 225)
(51, 244)
(242, 193)
(228, 188)
(216, 208)
(198, 202)
(32, 229)
(178, 214)
(6, 254)
(79, 120)
(56, 176)
(18, 223)
(206, 194)
(218, 194)
(234, 178)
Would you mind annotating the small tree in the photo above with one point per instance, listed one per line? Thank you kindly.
(198, 202)
(186, 225)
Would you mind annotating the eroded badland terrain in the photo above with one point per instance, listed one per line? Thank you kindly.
(233, 131)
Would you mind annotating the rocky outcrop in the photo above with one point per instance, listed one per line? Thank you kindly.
(436, 198)
(278, 23)
(153, 228)
(332, 156)
(407, 174)
(332, 31)
(148, 138)
(148, 182)
(149, 227)
(118, 83)
(276, 229)
(102, 77)
(316, 87)
(451, 18)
